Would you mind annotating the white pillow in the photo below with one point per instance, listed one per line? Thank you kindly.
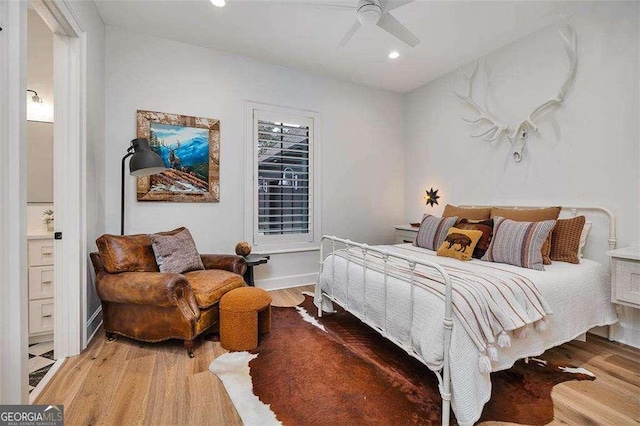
(583, 238)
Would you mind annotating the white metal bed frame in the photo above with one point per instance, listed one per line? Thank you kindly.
(444, 375)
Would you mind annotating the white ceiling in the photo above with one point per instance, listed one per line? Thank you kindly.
(286, 32)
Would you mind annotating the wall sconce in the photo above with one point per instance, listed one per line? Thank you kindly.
(37, 110)
(432, 197)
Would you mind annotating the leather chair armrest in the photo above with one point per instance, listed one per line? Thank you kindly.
(228, 262)
(149, 288)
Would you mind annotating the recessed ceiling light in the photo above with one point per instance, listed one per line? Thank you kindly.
(219, 3)
(394, 54)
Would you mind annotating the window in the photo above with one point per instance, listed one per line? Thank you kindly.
(283, 175)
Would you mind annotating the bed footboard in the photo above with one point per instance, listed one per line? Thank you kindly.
(327, 297)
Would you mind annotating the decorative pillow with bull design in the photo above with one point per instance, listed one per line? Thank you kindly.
(460, 243)
(486, 226)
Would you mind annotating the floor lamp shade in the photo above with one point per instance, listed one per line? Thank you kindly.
(144, 162)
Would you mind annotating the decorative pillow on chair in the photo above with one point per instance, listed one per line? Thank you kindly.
(486, 226)
(176, 253)
(460, 243)
(433, 231)
(565, 239)
(518, 243)
(129, 253)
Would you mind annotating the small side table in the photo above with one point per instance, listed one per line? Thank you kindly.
(405, 234)
(254, 260)
(625, 283)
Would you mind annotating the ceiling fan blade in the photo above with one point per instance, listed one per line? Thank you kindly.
(342, 7)
(390, 5)
(354, 29)
(391, 25)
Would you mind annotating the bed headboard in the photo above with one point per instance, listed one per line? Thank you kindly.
(602, 236)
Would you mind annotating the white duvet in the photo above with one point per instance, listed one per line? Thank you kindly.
(579, 296)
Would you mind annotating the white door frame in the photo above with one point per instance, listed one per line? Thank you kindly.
(69, 168)
(14, 387)
(70, 51)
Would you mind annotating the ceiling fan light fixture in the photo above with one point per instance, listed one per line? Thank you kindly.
(369, 14)
(394, 54)
(219, 3)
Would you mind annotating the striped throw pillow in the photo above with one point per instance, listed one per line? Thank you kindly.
(518, 243)
(433, 231)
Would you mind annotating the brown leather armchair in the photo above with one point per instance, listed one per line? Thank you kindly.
(142, 303)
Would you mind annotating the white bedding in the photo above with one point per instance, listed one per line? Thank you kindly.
(579, 296)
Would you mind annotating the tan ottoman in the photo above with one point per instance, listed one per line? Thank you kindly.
(244, 312)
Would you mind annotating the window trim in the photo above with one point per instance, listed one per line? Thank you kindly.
(250, 197)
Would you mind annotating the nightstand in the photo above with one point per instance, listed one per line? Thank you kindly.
(405, 234)
(625, 276)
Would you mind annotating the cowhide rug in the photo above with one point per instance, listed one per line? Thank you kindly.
(339, 371)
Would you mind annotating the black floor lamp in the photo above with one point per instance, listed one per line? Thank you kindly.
(144, 162)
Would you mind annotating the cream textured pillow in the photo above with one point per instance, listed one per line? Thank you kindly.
(583, 238)
(176, 253)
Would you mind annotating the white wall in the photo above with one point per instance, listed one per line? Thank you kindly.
(95, 149)
(39, 162)
(362, 160)
(35, 225)
(39, 135)
(585, 153)
(39, 57)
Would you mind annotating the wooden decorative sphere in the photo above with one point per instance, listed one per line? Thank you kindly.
(243, 248)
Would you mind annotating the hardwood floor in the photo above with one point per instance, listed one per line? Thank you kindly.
(126, 382)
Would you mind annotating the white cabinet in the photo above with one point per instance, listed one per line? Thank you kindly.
(40, 316)
(405, 234)
(40, 252)
(40, 282)
(625, 276)
(41, 289)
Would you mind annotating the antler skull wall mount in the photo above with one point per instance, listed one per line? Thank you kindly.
(518, 134)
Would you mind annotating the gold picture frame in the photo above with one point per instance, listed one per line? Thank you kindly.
(190, 148)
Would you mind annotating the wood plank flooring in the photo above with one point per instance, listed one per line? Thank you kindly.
(126, 382)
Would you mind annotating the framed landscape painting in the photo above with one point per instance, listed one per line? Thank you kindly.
(190, 149)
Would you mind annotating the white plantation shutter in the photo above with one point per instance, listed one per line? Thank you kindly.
(283, 177)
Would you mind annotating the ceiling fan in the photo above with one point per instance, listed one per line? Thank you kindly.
(376, 12)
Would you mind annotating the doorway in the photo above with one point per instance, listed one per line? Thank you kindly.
(40, 207)
(69, 252)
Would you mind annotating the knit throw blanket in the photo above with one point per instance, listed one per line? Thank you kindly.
(491, 303)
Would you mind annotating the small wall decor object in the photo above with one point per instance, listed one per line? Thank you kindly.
(190, 149)
(47, 219)
(243, 249)
(518, 134)
(432, 197)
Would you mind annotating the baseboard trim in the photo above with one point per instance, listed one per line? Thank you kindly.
(45, 380)
(41, 338)
(289, 281)
(93, 324)
(627, 335)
